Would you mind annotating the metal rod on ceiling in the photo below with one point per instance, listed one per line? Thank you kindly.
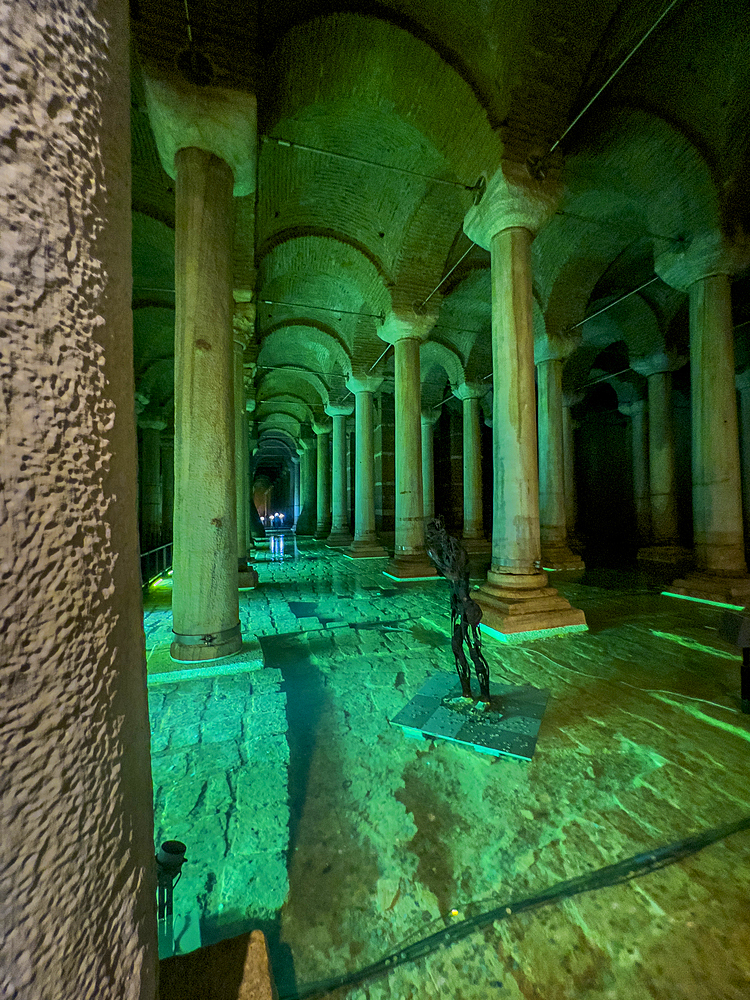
(621, 299)
(187, 18)
(301, 305)
(359, 159)
(609, 80)
(388, 347)
(603, 223)
(443, 280)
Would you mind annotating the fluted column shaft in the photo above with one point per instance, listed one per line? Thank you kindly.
(205, 601)
(717, 502)
(323, 525)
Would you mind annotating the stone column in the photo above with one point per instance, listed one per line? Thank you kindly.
(241, 456)
(205, 601)
(340, 534)
(323, 524)
(552, 524)
(637, 411)
(309, 515)
(742, 383)
(515, 598)
(410, 560)
(150, 481)
(167, 486)
(473, 536)
(365, 544)
(721, 573)
(428, 420)
(571, 499)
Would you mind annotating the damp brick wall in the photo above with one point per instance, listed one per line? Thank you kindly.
(76, 839)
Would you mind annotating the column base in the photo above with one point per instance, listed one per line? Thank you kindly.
(560, 557)
(665, 555)
(322, 532)
(525, 609)
(195, 648)
(414, 567)
(365, 550)
(338, 539)
(248, 580)
(732, 590)
(262, 543)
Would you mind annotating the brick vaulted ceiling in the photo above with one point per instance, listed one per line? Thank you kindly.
(418, 99)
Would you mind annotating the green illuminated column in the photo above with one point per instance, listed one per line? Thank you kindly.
(552, 521)
(323, 524)
(742, 382)
(637, 410)
(205, 602)
(308, 516)
(150, 480)
(339, 534)
(473, 536)
(571, 502)
(241, 456)
(428, 420)
(410, 559)
(365, 544)
(516, 597)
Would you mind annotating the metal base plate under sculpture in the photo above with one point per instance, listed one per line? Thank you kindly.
(508, 729)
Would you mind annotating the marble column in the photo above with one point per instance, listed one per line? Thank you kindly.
(410, 560)
(473, 535)
(205, 600)
(516, 598)
(365, 544)
(556, 554)
(241, 456)
(309, 515)
(340, 534)
(721, 572)
(429, 418)
(742, 383)
(167, 486)
(637, 410)
(571, 498)
(150, 480)
(323, 523)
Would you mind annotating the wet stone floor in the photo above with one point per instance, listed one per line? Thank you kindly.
(308, 815)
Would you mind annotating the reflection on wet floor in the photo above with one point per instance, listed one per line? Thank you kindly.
(307, 814)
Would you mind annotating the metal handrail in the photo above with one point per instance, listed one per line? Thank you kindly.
(155, 563)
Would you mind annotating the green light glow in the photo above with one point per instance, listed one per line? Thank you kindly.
(409, 579)
(693, 644)
(703, 600)
(544, 633)
(361, 558)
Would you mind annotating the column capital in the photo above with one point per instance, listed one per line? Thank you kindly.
(469, 390)
(430, 415)
(363, 383)
(141, 402)
(243, 324)
(398, 327)
(554, 348)
(704, 256)
(151, 423)
(513, 200)
(321, 427)
(340, 409)
(633, 408)
(657, 363)
(250, 402)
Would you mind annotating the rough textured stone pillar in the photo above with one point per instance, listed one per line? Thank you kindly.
(473, 536)
(637, 410)
(552, 521)
(515, 597)
(365, 544)
(205, 603)
(309, 515)
(721, 573)
(77, 881)
(339, 534)
(742, 382)
(428, 420)
(323, 523)
(241, 456)
(410, 560)
(151, 481)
